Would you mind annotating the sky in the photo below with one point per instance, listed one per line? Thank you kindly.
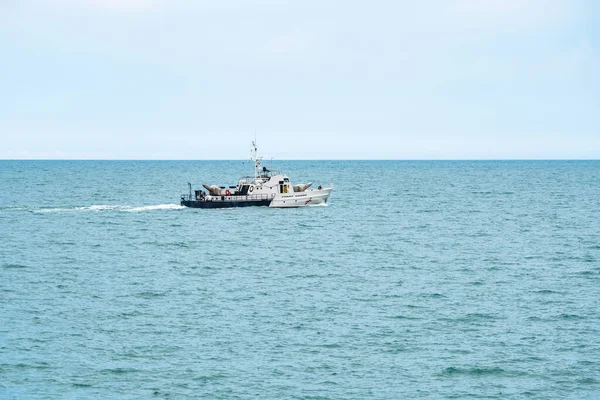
(315, 79)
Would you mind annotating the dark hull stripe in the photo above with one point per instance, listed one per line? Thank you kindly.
(224, 204)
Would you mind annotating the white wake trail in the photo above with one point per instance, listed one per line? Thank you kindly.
(157, 207)
(117, 208)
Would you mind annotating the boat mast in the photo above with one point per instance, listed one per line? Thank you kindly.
(257, 160)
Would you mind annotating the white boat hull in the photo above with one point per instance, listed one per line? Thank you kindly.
(301, 199)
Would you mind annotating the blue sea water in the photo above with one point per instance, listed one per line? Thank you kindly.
(419, 280)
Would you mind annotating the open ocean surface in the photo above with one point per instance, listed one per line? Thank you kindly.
(420, 280)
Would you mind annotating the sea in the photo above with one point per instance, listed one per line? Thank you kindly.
(418, 280)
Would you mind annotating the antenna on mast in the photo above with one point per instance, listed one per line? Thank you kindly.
(255, 158)
(254, 143)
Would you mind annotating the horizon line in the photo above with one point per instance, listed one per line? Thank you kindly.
(302, 159)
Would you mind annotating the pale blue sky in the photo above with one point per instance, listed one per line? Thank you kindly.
(317, 79)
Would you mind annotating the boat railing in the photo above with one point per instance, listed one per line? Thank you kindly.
(250, 197)
(233, 197)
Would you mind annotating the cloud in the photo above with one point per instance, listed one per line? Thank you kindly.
(581, 61)
(146, 5)
(490, 7)
(509, 14)
(111, 5)
(292, 42)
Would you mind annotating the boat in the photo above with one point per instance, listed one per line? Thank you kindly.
(267, 187)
